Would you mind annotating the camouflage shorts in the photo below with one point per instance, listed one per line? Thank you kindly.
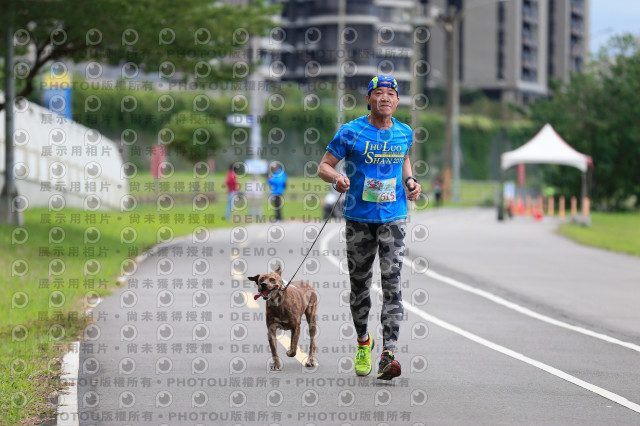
(364, 240)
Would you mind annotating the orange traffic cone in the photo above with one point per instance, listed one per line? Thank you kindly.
(520, 206)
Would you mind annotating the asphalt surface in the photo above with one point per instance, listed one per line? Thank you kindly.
(506, 323)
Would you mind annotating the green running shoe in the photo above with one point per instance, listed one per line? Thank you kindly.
(363, 358)
(388, 367)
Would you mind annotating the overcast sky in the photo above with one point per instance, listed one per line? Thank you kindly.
(611, 17)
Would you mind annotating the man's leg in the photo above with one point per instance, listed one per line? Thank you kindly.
(391, 251)
(361, 252)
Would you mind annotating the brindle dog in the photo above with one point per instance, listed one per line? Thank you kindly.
(285, 307)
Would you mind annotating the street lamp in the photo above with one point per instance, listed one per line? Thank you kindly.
(341, 51)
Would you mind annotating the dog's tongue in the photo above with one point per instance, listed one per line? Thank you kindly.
(262, 293)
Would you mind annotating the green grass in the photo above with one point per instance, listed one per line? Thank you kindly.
(472, 193)
(477, 193)
(25, 389)
(611, 231)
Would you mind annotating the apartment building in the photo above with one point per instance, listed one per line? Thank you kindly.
(510, 49)
(568, 42)
(377, 39)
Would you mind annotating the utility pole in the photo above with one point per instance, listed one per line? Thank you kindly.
(416, 87)
(419, 24)
(256, 109)
(340, 52)
(9, 211)
(451, 169)
(255, 100)
(455, 93)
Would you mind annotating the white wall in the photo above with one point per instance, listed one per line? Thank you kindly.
(79, 164)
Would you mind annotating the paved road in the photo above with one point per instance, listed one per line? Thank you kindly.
(505, 323)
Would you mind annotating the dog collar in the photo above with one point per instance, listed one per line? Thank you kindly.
(286, 284)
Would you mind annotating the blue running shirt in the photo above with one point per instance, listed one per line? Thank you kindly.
(373, 163)
(278, 182)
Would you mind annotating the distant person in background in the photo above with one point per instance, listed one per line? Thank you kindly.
(278, 183)
(437, 190)
(232, 190)
(332, 205)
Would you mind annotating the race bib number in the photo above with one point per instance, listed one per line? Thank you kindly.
(379, 191)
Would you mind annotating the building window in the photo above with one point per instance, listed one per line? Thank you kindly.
(501, 14)
(529, 46)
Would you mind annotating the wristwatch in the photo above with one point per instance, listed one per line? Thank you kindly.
(406, 181)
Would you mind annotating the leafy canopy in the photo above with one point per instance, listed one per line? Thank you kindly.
(191, 40)
(597, 113)
(194, 135)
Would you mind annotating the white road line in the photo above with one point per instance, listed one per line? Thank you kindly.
(525, 311)
(494, 346)
(520, 357)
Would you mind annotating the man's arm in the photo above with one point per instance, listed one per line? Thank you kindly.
(412, 185)
(327, 172)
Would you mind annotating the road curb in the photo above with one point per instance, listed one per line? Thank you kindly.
(68, 397)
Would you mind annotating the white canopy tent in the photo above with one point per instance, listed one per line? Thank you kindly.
(549, 148)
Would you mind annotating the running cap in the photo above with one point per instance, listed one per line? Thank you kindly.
(382, 81)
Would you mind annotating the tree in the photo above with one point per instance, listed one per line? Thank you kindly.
(597, 113)
(194, 135)
(187, 39)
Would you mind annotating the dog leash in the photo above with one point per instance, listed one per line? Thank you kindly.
(314, 241)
